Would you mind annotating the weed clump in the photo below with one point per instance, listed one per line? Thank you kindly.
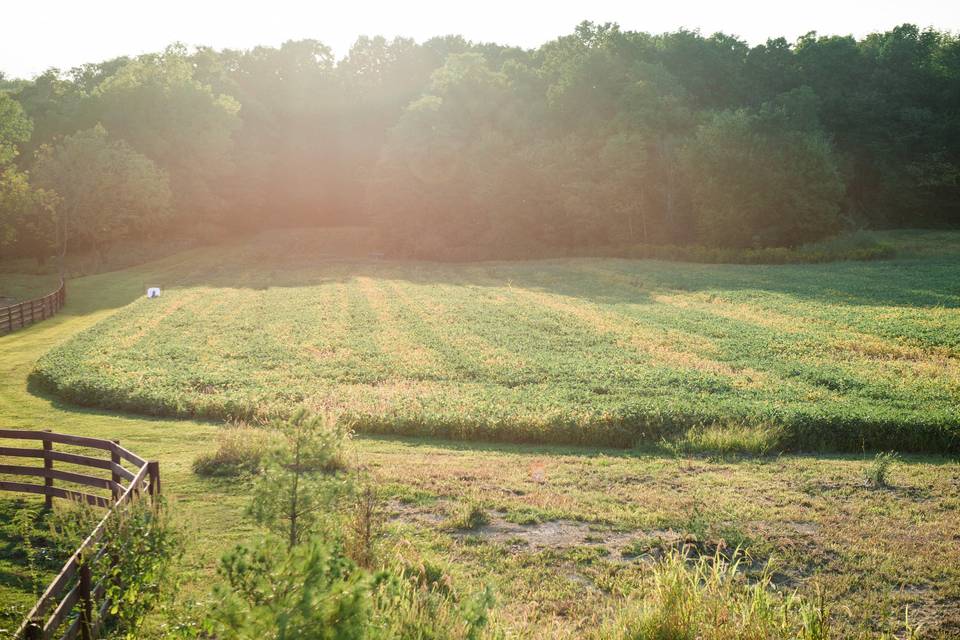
(878, 473)
(710, 597)
(240, 451)
(469, 517)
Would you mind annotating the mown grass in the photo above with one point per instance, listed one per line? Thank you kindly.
(19, 287)
(872, 551)
(842, 356)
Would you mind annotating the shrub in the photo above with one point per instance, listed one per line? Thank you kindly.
(308, 591)
(142, 541)
(877, 474)
(363, 525)
(858, 245)
(726, 439)
(240, 450)
(146, 542)
(314, 591)
(296, 491)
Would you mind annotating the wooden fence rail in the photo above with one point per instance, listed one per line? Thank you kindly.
(26, 313)
(74, 602)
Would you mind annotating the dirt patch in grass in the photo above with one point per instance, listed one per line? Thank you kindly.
(620, 546)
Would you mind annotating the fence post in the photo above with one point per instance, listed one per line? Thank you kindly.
(115, 459)
(34, 630)
(153, 470)
(84, 589)
(48, 466)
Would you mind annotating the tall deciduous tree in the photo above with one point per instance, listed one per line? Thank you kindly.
(107, 190)
(25, 212)
(156, 105)
(765, 179)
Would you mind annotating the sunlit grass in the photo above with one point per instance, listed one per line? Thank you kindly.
(873, 552)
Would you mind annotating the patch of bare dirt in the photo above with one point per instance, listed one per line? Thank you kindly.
(623, 546)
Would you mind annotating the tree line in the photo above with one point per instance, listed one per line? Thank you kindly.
(454, 149)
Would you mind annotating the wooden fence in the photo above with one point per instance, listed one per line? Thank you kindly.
(26, 313)
(74, 602)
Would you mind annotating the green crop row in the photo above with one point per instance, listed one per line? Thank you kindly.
(844, 356)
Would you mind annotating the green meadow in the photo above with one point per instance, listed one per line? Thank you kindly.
(719, 360)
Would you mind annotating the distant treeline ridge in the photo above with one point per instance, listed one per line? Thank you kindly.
(453, 149)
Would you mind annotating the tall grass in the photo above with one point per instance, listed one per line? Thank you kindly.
(878, 473)
(240, 450)
(709, 598)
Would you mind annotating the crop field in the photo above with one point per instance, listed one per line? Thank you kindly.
(841, 356)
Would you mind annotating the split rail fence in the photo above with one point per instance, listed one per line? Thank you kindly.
(74, 605)
(26, 313)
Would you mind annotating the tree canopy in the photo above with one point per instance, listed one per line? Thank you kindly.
(107, 191)
(454, 149)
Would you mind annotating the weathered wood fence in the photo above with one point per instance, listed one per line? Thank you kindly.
(74, 601)
(26, 313)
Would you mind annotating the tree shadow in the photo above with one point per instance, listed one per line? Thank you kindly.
(650, 451)
(286, 261)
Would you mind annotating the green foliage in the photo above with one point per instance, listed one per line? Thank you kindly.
(727, 439)
(72, 523)
(314, 591)
(295, 490)
(712, 599)
(25, 212)
(469, 517)
(15, 128)
(878, 473)
(107, 191)
(27, 215)
(306, 592)
(785, 356)
(156, 105)
(462, 150)
(144, 543)
(24, 523)
(761, 183)
(846, 246)
(363, 527)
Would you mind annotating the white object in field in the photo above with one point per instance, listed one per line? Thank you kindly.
(153, 292)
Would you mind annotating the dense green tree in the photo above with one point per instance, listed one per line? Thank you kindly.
(15, 128)
(765, 179)
(107, 191)
(457, 149)
(156, 105)
(25, 212)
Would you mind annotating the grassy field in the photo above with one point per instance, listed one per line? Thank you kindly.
(570, 531)
(842, 356)
(17, 287)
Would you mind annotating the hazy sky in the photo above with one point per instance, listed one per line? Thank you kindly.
(37, 34)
